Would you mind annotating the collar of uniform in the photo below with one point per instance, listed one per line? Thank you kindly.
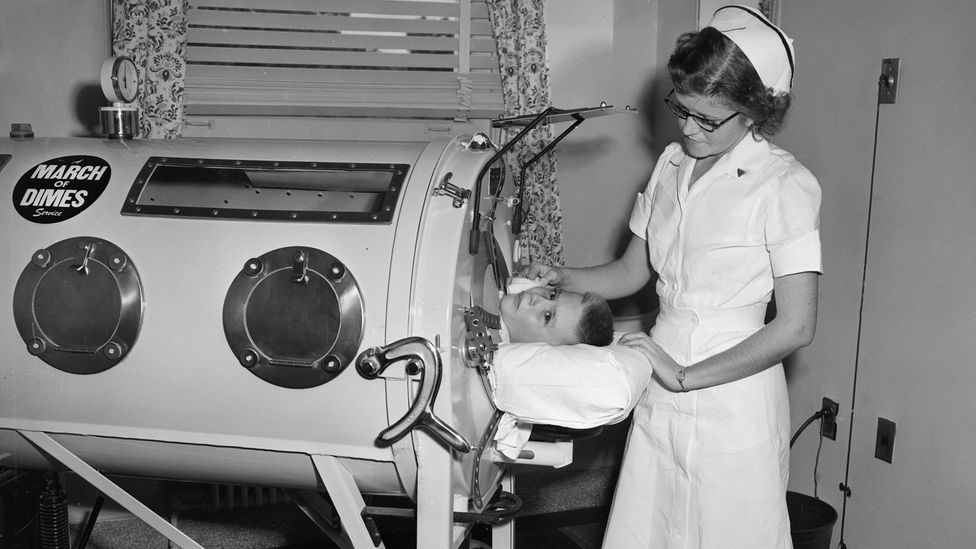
(746, 157)
(678, 155)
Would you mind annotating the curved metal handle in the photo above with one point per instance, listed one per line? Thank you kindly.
(423, 359)
(299, 268)
(87, 248)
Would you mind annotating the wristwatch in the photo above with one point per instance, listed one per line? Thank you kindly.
(680, 376)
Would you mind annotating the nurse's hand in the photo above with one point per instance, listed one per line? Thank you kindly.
(665, 368)
(552, 276)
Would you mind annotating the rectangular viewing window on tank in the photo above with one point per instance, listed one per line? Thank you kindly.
(282, 191)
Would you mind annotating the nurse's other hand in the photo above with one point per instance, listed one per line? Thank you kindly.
(642, 342)
(547, 273)
(665, 368)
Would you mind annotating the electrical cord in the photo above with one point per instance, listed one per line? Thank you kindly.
(816, 463)
(819, 414)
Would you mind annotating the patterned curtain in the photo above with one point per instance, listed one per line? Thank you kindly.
(153, 34)
(520, 33)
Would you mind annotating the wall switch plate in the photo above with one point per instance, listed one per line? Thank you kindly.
(888, 83)
(828, 423)
(884, 445)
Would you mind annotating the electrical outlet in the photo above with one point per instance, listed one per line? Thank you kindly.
(828, 423)
(884, 444)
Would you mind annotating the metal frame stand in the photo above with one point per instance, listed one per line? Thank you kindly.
(101, 482)
(350, 533)
(527, 122)
(348, 502)
(503, 535)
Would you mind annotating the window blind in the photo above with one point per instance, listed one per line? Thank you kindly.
(343, 58)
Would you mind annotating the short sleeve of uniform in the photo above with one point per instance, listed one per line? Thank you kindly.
(793, 223)
(641, 213)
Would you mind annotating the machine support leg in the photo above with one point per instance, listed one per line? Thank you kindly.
(435, 505)
(322, 514)
(347, 500)
(109, 488)
(503, 535)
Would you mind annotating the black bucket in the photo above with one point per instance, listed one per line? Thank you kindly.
(811, 521)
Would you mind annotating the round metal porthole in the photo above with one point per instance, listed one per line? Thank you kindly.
(294, 317)
(78, 305)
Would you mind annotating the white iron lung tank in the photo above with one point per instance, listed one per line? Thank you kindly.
(267, 312)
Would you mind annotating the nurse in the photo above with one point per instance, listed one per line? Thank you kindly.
(728, 222)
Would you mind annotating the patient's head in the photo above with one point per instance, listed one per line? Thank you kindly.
(557, 317)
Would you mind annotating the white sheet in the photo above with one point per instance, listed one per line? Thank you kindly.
(574, 386)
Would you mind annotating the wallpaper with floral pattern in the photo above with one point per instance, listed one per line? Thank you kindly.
(520, 33)
(153, 34)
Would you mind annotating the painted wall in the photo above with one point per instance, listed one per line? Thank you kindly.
(51, 52)
(919, 305)
(601, 51)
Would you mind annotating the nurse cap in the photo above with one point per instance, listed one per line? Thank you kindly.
(766, 46)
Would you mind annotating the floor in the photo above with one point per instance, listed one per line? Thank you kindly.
(283, 526)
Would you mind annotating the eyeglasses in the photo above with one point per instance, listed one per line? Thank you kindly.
(703, 123)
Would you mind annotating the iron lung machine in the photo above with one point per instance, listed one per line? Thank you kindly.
(297, 314)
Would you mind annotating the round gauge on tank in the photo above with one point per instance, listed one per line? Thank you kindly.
(120, 79)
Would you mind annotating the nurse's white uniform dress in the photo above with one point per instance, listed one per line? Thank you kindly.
(708, 468)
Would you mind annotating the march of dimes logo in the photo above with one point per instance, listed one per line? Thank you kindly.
(60, 188)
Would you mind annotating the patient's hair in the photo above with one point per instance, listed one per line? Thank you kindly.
(596, 323)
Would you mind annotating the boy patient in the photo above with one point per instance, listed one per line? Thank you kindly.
(556, 316)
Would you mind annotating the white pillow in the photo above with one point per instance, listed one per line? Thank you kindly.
(574, 386)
